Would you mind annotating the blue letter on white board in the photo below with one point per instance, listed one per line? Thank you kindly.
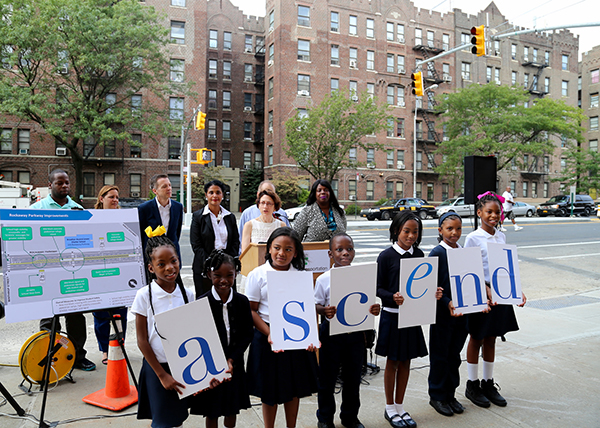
(412, 278)
(208, 358)
(296, 321)
(341, 315)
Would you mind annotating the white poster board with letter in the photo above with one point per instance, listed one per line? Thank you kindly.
(467, 282)
(418, 284)
(292, 312)
(505, 279)
(192, 346)
(353, 290)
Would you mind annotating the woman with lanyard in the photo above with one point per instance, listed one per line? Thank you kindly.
(213, 228)
(322, 217)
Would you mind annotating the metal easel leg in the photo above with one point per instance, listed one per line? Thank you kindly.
(47, 368)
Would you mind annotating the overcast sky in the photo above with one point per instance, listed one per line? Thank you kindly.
(529, 14)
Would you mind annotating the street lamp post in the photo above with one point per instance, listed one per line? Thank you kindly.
(182, 154)
(430, 88)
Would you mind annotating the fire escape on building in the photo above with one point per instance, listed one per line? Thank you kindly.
(429, 136)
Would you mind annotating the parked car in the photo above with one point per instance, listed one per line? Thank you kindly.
(292, 213)
(521, 208)
(389, 209)
(131, 202)
(456, 205)
(560, 206)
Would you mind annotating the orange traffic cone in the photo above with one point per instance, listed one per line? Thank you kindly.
(118, 393)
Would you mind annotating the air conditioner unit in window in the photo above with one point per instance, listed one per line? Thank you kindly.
(447, 78)
(303, 93)
(352, 63)
(135, 194)
(465, 76)
(247, 108)
(371, 165)
(400, 39)
(401, 104)
(354, 98)
(248, 79)
(248, 50)
(400, 165)
(61, 151)
(270, 129)
(446, 138)
(270, 63)
(23, 151)
(401, 70)
(534, 195)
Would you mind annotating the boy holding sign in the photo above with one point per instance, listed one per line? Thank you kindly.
(485, 327)
(345, 351)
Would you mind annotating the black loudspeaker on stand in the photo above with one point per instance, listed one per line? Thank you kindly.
(480, 176)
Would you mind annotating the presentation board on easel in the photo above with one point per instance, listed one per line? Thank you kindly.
(64, 261)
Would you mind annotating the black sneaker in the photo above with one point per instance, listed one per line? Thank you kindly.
(491, 392)
(456, 406)
(85, 365)
(475, 394)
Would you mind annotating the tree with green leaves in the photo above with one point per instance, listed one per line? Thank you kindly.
(288, 188)
(77, 69)
(320, 141)
(484, 120)
(582, 169)
(250, 182)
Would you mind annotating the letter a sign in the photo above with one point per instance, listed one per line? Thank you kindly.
(192, 346)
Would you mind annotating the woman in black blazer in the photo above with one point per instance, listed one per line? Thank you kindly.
(213, 227)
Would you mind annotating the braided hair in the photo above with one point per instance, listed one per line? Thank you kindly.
(398, 222)
(218, 258)
(152, 244)
(488, 197)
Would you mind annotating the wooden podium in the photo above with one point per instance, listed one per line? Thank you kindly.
(254, 255)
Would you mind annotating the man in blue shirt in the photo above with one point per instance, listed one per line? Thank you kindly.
(59, 199)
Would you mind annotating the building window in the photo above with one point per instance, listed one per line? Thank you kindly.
(370, 60)
(465, 39)
(389, 162)
(400, 159)
(335, 55)
(271, 20)
(563, 163)
(304, 16)
(419, 161)
(270, 155)
(595, 76)
(525, 53)
(227, 70)
(445, 189)
(135, 185)
(335, 22)
(389, 189)
(248, 43)
(271, 53)
(418, 190)
(546, 164)
(227, 41)
(352, 154)
(247, 160)
(247, 101)
(247, 130)
(178, 32)
(546, 84)
(513, 51)
(303, 84)
(260, 44)
(303, 50)
(546, 189)
(6, 141)
(399, 189)
(390, 63)
(212, 128)
(514, 77)
(429, 191)
(525, 189)
(526, 79)
(390, 95)
(400, 128)
(180, 3)
(371, 90)
(89, 185)
(258, 160)
(270, 88)
(353, 54)
(177, 70)
(389, 31)
(226, 130)
(212, 69)
(497, 75)
(371, 156)
(24, 141)
(593, 124)
(594, 100)
(226, 161)
(226, 100)
(270, 121)
(212, 99)
(174, 147)
(547, 57)
(593, 145)
(400, 62)
(111, 100)
(488, 74)
(400, 33)
(400, 97)
(213, 41)
(110, 149)
(430, 38)
(353, 25)
(352, 188)
(370, 28)
(135, 147)
(370, 190)
(535, 55)
(390, 128)
(136, 104)
(335, 85)
(565, 88)
(465, 69)
(353, 88)
(176, 108)
(89, 147)
(565, 62)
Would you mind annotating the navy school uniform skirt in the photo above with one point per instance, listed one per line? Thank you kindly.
(277, 378)
(399, 344)
(499, 321)
(154, 402)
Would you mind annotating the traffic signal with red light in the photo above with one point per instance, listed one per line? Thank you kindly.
(417, 83)
(478, 40)
(200, 120)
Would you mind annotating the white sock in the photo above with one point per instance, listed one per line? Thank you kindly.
(472, 370)
(391, 410)
(488, 370)
(400, 408)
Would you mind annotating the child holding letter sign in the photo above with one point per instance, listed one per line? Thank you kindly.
(281, 377)
(158, 390)
(233, 319)
(485, 327)
(398, 345)
(345, 351)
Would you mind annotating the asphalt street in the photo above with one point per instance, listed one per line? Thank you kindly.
(548, 370)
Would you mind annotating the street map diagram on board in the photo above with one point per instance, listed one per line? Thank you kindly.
(64, 261)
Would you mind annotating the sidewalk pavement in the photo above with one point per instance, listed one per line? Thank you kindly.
(549, 372)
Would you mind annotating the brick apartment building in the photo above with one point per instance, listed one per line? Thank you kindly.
(588, 92)
(252, 73)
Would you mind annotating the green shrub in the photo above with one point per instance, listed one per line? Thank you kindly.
(352, 209)
(381, 202)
